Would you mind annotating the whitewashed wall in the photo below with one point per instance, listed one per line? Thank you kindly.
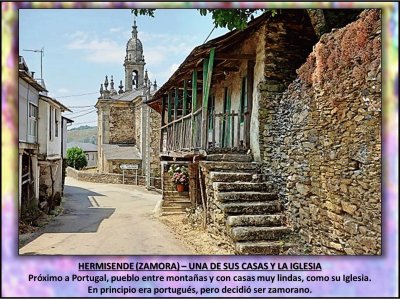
(26, 94)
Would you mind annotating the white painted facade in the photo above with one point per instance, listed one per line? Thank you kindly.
(233, 85)
(65, 121)
(258, 77)
(91, 159)
(28, 101)
(28, 118)
(50, 125)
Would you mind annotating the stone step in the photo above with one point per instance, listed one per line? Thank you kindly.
(256, 220)
(172, 213)
(173, 209)
(230, 157)
(243, 186)
(245, 196)
(230, 176)
(262, 247)
(171, 194)
(177, 199)
(231, 166)
(250, 208)
(256, 233)
(170, 186)
(177, 204)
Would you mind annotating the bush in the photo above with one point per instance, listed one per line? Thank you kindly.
(76, 158)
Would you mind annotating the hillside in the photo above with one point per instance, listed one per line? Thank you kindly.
(82, 134)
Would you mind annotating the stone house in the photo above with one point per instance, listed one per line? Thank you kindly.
(89, 149)
(126, 133)
(280, 148)
(28, 146)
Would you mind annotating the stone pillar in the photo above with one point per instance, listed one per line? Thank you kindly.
(193, 169)
(106, 125)
(35, 171)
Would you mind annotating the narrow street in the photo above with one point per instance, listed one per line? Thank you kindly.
(105, 219)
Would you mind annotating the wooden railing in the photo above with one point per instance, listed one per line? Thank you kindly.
(224, 131)
(228, 130)
(183, 134)
(197, 129)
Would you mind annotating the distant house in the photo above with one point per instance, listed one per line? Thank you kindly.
(90, 150)
(28, 107)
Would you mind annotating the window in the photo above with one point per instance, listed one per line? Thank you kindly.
(33, 115)
(92, 156)
(56, 123)
(51, 123)
(243, 99)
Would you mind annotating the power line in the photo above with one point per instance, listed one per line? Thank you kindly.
(76, 95)
(80, 106)
(86, 122)
(85, 110)
(83, 114)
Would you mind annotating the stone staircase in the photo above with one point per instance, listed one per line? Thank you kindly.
(254, 217)
(174, 202)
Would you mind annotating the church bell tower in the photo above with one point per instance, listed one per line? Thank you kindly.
(134, 62)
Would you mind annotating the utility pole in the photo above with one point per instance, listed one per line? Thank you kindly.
(41, 51)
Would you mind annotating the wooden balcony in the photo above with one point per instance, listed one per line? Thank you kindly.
(223, 132)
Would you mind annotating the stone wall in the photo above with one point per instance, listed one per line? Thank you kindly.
(288, 40)
(122, 124)
(154, 135)
(321, 141)
(216, 219)
(45, 182)
(105, 178)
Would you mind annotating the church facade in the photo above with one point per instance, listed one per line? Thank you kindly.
(128, 130)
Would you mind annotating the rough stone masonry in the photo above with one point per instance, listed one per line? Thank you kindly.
(321, 141)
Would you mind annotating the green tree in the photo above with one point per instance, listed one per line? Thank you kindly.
(226, 18)
(323, 20)
(76, 157)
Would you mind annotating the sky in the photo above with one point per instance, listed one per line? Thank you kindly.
(82, 46)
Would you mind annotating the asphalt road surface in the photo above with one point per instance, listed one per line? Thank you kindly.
(106, 219)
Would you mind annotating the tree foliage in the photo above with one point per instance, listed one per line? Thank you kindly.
(143, 12)
(233, 18)
(76, 157)
(225, 18)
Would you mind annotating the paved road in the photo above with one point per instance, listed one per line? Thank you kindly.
(105, 219)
